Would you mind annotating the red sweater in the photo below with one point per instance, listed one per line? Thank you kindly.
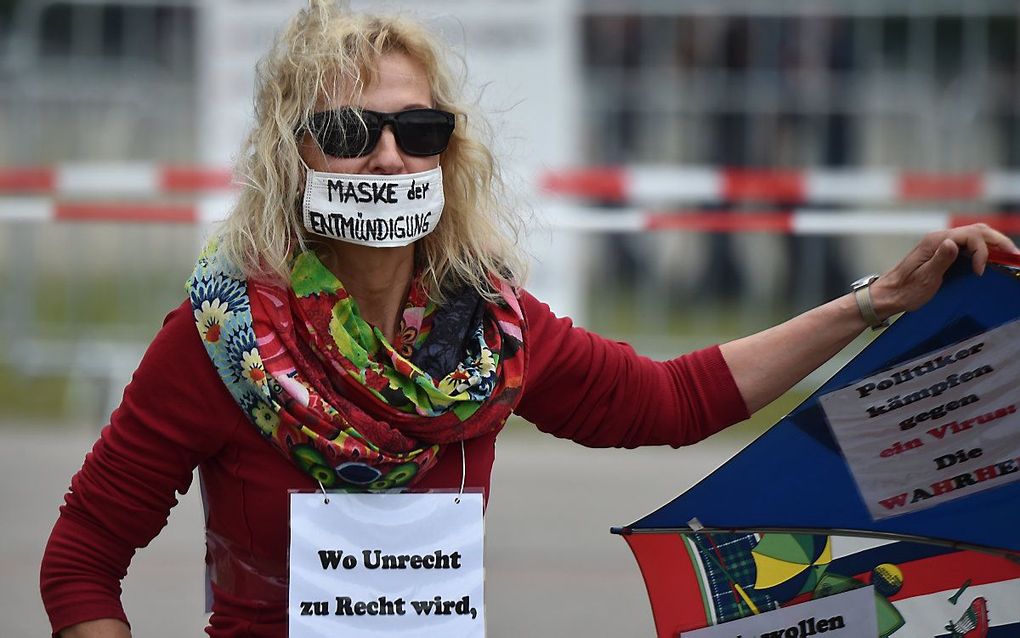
(177, 414)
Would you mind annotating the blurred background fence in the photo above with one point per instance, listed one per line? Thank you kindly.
(916, 105)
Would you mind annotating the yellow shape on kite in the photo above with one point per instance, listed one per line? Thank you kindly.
(826, 557)
(772, 571)
(780, 557)
(747, 599)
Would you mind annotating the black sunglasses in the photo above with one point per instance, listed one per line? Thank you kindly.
(352, 132)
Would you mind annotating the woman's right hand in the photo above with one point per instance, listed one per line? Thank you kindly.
(102, 628)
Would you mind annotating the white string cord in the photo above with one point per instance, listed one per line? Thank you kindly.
(463, 472)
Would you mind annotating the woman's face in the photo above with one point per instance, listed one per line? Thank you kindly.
(400, 85)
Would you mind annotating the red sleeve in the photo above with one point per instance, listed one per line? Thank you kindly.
(601, 393)
(171, 417)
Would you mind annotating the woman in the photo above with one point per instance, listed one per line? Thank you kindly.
(357, 325)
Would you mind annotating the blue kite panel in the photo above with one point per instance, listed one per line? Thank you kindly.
(794, 475)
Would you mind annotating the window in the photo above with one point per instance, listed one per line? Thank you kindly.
(155, 38)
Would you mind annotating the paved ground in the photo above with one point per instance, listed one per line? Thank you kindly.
(552, 568)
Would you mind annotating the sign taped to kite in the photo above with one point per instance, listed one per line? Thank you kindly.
(848, 614)
(942, 426)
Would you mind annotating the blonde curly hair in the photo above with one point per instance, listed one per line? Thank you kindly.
(326, 48)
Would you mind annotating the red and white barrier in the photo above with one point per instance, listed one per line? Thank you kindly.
(113, 179)
(804, 221)
(641, 185)
(787, 222)
(43, 210)
(657, 185)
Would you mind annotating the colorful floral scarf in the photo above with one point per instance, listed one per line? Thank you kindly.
(326, 388)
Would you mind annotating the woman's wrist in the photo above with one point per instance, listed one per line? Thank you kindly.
(884, 298)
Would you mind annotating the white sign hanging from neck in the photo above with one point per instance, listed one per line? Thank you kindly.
(393, 565)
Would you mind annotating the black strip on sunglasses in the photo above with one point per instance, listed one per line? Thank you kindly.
(351, 132)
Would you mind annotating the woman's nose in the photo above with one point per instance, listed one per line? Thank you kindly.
(386, 158)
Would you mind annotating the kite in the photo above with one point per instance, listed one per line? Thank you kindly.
(900, 475)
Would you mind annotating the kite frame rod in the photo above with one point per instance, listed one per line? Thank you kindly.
(1011, 555)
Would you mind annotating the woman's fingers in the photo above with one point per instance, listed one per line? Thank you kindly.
(964, 234)
(931, 270)
(944, 256)
(912, 282)
(977, 238)
(979, 252)
(999, 240)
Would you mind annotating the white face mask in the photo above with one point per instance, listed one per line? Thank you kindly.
(382, 211)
